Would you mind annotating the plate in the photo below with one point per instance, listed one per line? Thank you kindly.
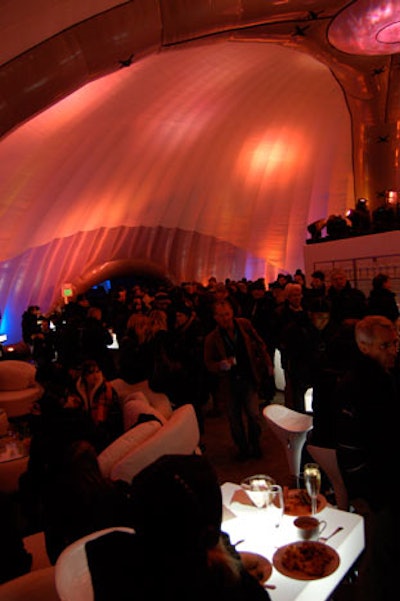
(257, 565)
(297, 502)
(306, 560)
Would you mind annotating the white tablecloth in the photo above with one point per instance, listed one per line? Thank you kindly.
(259, 536)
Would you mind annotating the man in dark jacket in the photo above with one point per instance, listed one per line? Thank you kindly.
(347, 302)
(367, 449)
(238, 355)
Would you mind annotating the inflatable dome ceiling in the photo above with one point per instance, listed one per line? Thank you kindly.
(185, 138)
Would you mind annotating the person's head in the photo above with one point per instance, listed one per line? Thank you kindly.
(377, 337)
(242, 286)
(257, 289)
(212, 282)
(57, 382)
(362, 204)
(138, 305)
(176, 510)
(190, 288)
(75, 464)
(121, 294)
(381, 280)
(91, 373)
(82, 300)
(221, 291)
(320, 312)
(33, 310)
(80, 456)
(294, 294)
(178, 499)
(45, 324)
(138, 324)
(95, 313)
(162, 301)
(317, 279)
(282, 279)
(338, 279)
(182, 314)
(299, 277)
(223, 314)
(158, 321)
(277, 292)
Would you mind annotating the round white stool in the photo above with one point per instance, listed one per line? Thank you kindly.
(291, 428)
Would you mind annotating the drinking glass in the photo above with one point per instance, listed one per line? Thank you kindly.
(276, 504)
(257, 488)
(312, 481)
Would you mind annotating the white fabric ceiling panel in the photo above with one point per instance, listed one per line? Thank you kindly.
(211, 157)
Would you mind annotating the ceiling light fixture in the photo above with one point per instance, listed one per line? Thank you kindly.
(368, 27)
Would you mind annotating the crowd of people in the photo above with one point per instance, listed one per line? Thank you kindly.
(217, 343)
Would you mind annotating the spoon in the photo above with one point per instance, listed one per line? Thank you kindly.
(323, 539)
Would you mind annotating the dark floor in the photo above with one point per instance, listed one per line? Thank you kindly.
(221, 451)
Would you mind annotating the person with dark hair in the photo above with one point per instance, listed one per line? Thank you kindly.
(305, 343)
(360, 217)
(135, 356)
(99, 400)
(178, 550)
(317, 285)
(30, 324)
(260, 307)
(237, 354)
(57, 421)
(348, 302)
(78, 499)
(381, 299)
(179, 361)
(44, 344)
(299, 277)
(118, 311)
(95, 340)
(339, 355)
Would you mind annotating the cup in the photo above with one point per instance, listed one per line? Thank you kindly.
(308, 527)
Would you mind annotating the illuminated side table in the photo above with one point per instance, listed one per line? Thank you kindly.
(248, 524)
(14, 456)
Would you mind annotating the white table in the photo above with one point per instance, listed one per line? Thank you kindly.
(247, 523)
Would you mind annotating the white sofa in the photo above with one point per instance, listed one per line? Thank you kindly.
(146, 442)
(158, 400)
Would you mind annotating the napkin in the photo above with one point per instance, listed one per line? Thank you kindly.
(241, 502)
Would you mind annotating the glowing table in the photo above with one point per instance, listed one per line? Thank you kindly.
(248, 524)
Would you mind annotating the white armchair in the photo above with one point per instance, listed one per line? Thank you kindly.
(146, 442)
(18, 387)
(291, 428)
(72, 575)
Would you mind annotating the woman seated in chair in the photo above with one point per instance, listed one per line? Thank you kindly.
(78, 500)
(178, 551)
(99, 400)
